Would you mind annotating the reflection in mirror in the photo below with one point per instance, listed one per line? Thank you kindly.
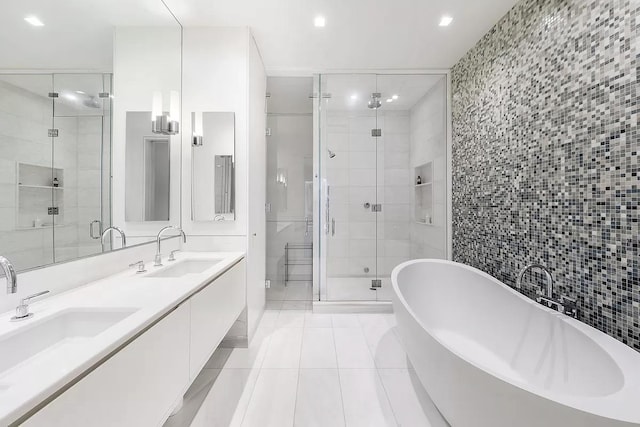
(213, 163)
(62, 135)
(147, 169)
(55, 156)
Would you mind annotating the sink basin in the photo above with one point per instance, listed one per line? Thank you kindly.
(188, 266)
(54, 335)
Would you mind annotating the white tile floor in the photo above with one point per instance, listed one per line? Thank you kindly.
(305, 369)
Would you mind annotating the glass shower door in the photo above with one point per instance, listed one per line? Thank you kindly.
(348, 167)
(78, 164)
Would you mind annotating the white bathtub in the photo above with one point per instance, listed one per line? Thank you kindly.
(490, 357)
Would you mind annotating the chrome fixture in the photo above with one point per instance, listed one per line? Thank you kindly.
(158, 259)
(161, 122)
(119, 230)
(549, 291)
(375, 103)
(172, 255)
(22, 311)
(565, 304)
(196, 130)
(10, 274)
(140, 265)
(331, 154)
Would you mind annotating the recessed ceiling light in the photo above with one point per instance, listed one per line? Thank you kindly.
(445, 21)
(394, 97)
(319, 21)
(354, 96)
(34, 20)
(389, 100)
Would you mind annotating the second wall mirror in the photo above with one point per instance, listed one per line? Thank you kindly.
(213, 162)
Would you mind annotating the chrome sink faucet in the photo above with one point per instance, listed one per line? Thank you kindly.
(119, 230)
(549, 290)
(158, 259)
(10, 274)
(22, 311)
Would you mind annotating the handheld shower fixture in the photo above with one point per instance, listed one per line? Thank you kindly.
(331, 154)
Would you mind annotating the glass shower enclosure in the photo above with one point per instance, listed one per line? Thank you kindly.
(381, 179)
(55, 160)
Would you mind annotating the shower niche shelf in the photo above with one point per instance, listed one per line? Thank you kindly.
(423, 213)
(37, 198)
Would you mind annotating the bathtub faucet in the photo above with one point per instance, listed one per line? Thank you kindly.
(549, 292)
(566, 305)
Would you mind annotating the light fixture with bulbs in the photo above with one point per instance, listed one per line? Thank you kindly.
(445, 20)
(319, 21)
(161, 122)
(196, 129)
(34, 20)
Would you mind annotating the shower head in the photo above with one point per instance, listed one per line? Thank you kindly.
(375, 102)
(331, 154)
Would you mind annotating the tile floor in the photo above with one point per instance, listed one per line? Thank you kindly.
(305, 369)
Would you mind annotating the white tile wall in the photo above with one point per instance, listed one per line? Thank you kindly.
(429, 144)
(359, 174)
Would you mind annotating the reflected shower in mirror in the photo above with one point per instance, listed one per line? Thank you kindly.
(213, 163)
(147, 171)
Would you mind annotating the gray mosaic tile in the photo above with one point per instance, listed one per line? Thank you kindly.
(545, 154)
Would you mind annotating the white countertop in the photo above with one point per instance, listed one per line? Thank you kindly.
(34, 380)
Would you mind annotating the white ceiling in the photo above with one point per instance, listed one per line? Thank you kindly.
(77, 35)
(359, 34)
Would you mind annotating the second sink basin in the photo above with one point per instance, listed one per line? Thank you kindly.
(187, 266)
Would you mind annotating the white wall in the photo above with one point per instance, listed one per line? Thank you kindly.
(145, 60)
(215, 79)
(429, 144)
(223, 72)
(256, 260)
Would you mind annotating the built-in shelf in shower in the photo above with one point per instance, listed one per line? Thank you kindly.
(423, 213)
(48, 187)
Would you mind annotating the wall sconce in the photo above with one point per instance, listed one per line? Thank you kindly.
(281, 177)
(161, 122)
(196, 129)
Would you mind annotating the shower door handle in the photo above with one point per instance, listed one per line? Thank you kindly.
(327, 208)
(333, 226)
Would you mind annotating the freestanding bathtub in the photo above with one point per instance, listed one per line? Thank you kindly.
(490, 357)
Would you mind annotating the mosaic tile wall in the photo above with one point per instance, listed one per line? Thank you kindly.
(545, 154)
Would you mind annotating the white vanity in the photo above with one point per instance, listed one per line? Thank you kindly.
(122, 350)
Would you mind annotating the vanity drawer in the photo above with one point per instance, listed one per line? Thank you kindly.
(138, 386)
(213, 311)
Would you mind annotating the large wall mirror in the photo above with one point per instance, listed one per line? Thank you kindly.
(213, 163)
(68, 81)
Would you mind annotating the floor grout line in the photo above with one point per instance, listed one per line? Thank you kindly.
(377, 369)
(333, 334)
(295, 405)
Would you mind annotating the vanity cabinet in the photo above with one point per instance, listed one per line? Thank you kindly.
(213, 311)
(137, 386)
(141, 383)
